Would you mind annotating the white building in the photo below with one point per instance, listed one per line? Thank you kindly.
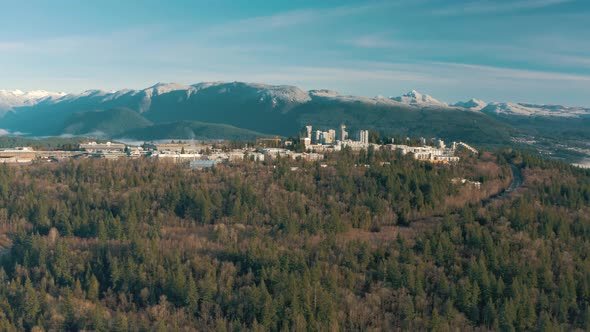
(309, 131)
(426, 152)
(306, 142)
(272, 153)
(343, 132)
(98, 147)
(364, 136)
(331, 136)
(317, 137)
(256, 156)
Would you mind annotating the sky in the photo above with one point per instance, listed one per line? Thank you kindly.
(534, 51)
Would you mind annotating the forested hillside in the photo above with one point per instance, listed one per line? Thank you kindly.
(372, 241)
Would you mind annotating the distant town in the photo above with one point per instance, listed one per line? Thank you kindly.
(313, 146)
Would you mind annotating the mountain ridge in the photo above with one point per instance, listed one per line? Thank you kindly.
(170, 109)
(12, 101)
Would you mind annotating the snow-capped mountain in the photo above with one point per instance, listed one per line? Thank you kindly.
(472, 104)
(281, 97)
(415, 98)
(272, 109)
(335, 96)
(15, 98)
(163, 88)
(520, 109)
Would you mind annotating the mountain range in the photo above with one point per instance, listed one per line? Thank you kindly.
(15, 98)
(247, 110)
(281, 96)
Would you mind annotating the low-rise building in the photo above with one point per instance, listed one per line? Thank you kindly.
(189, 148)
(272, 153)
(307, 156)
(201, 164)
(235, 156)
(108, 154)
(93, 147)
(17, 155)
(427, 153)
(176, 157)
(256, 156)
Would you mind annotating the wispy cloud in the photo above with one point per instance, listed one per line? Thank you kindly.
(313, 76)
(544, 57)
(573, 60)
(510, 73)
(489, 7)
(297, 18)
(64, 44)
(327, 74)
(372, 41)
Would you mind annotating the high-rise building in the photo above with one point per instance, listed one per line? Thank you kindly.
(332, 135)
(303, 133)
(309, 130)
(364, 136)
(343, 132)
(325, 138)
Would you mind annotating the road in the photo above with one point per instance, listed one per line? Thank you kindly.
(517, 182)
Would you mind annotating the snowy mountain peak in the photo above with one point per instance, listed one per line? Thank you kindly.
(35, 94)
(472, 104)
(414, 94)
(415, 98)
(162, 88)
(205, 85)
(324, 93)
(11, 92)
(284, 93)
(16, 98)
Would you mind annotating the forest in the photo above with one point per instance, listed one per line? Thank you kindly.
(361, 241)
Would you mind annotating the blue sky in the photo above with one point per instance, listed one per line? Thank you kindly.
(518, 50)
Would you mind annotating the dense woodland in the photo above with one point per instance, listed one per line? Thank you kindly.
(373, 241)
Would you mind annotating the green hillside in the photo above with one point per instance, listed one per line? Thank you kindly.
(104, 123)
(41, 143)
(192, 130)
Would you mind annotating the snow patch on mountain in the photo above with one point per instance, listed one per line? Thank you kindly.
(163, 88)
(324, 93)
(280, 93)
(205, 85)
(472, 104)
(16, 98)
(521, 109)
(415, 98)
(335, 96)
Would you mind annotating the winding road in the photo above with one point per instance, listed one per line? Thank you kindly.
(517, 182)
